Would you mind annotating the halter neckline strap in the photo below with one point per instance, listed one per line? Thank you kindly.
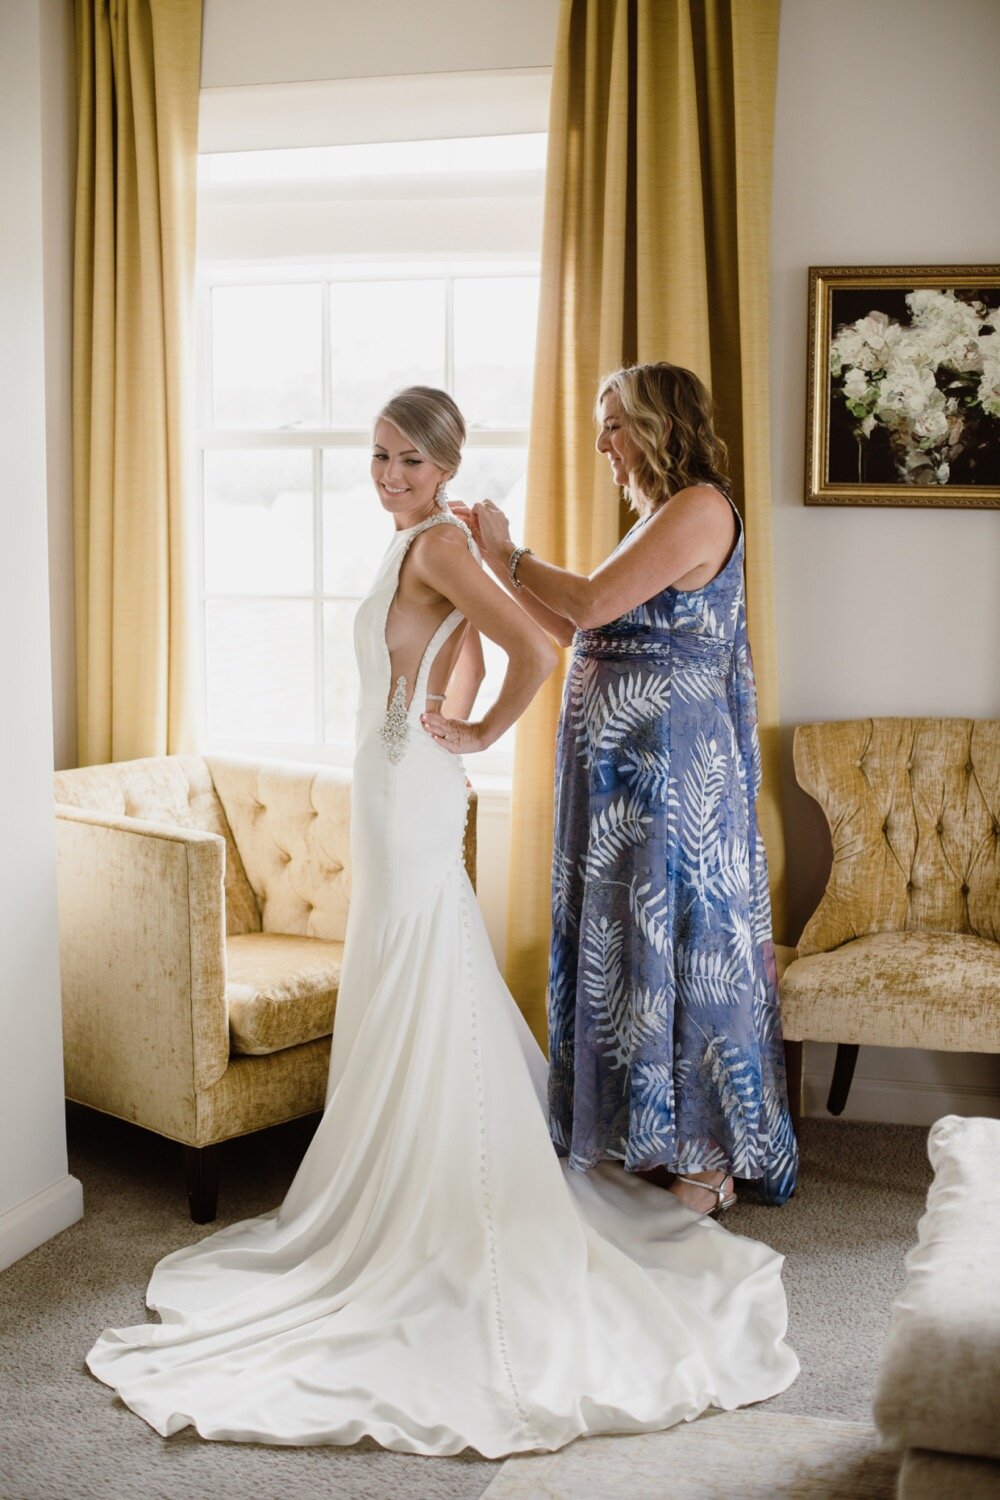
(407, 534)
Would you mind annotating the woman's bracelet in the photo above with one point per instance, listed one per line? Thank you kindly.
(512, 564)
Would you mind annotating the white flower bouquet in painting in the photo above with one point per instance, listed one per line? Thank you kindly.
(929, 383)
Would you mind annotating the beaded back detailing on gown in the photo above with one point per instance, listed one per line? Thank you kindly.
(665, 1034)
(436, 1278)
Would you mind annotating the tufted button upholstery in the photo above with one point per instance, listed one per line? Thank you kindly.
(292, 826)
(940, 781)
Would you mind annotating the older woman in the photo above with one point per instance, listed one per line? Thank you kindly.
(664, 1030)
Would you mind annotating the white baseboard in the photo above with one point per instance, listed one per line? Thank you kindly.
(890, 1101)
(30, 1223)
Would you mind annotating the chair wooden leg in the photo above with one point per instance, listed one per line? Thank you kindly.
(793, 1073)
(201, 1172)
(843, 1072)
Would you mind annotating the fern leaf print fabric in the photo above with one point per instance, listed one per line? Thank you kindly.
(665, 1041)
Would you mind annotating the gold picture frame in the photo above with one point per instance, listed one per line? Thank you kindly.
(903, 386)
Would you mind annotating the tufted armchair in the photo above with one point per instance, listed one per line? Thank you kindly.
(904, 947)
(202, 910)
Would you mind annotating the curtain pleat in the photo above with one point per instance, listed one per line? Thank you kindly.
(655, 247)
(138, 67)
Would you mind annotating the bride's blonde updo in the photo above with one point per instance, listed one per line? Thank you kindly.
(431, 421)
(668, 413)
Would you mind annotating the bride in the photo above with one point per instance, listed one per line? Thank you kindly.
(436, 1278)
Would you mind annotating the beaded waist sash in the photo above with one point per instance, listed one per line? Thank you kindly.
(662, 646)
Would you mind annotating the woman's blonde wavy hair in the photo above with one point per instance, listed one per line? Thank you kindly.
(669, 413)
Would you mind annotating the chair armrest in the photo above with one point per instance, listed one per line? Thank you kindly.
(142, 948)
(783, 957)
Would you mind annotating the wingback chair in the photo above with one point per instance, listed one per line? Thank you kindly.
(202, 910)
(904, 947)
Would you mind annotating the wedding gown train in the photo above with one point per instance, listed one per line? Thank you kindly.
(436, 1278)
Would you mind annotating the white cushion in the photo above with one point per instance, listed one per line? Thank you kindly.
(939, 1382)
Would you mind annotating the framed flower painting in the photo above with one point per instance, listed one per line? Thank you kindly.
(904, 386)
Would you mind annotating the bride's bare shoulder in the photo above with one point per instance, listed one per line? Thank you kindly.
(442, 541)
(446, 531)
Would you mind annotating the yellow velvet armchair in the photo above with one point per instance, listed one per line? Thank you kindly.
(202, 908)
(904, 947)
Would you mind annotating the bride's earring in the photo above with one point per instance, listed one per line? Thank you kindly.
(441, 495)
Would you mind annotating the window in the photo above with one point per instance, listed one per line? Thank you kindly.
(297, 352)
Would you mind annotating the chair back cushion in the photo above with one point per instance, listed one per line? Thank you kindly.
(175, 790)
(293, 827)
(914, 812)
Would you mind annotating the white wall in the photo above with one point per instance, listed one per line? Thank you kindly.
(37, 1196)
(885, 153)
(58, 186)
(258, 41)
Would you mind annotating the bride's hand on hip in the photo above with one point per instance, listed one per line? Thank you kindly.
(455, 735)
(492, 530)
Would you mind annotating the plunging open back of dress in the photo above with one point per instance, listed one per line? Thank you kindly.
(436, 1278)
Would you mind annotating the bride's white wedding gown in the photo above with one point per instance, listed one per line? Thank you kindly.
(436, 1278)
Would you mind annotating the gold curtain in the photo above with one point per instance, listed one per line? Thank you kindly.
(655, 247)
(138, 66)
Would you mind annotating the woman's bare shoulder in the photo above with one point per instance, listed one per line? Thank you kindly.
(698, 509)
(443, 542)
(440, 550)
(444, 534)
(703, 496)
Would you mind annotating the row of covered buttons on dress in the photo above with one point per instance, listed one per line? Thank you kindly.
(483, 1152)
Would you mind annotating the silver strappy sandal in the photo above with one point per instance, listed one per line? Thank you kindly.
(722, 1199)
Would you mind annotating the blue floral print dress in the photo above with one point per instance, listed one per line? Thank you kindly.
(664, 1030)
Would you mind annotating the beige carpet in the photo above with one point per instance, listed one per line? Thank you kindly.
(749, 1455)
(64, 1436)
